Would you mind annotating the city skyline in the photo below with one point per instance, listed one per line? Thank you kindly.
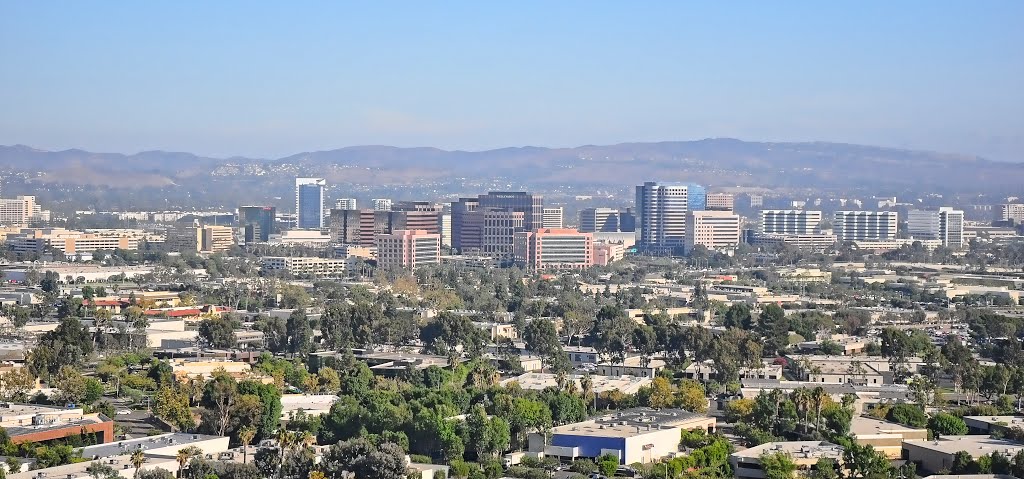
(936, 77)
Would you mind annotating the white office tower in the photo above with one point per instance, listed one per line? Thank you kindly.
(552, 217)
(345, 204)
(594, 220)
(309, 203)
(945, 224)
(381, 204)
(1011, 212)
(790, 222)
(715, 230)
(661, 211)
(864, 225)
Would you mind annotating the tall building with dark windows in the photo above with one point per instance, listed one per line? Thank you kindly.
(257, 222)
(661, 211)
(309, 203)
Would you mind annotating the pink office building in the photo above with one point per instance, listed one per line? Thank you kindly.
(408, 249)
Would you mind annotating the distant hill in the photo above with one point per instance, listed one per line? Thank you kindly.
(726, 162)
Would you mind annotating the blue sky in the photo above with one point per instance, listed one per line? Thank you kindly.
(269, 79)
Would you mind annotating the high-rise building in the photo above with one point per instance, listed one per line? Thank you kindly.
(864, 225)
(945, 224)
(381, 204)
(661, 211)
(408, 249)
(196, 238)
(605, 220)
(715, 230)
(309, 203)
(756, 201)
(789, 222)
(257, 222)
(1011, 212)
(720, 201)
(552, 217)
(548, 248)
(445, 225)
(358, 227)
(466, 230)
(498, 231)
(345, 204)
(19, 211)
(416, 215)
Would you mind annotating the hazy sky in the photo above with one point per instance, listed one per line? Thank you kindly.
(269, 79)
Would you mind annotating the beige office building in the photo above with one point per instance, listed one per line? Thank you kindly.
(715, 230)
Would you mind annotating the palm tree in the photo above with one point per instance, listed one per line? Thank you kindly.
(184, 455)
(818, 397)
(802, 399)
(587, 385)
(246, 434)
(137, 458)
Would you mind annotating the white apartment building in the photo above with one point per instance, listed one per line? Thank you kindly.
(345, 204)
(304, 265)
(408, 249)
(864, 225)
(381, 204)
(552, 217)
(945, 224)
(715, 230)
(790, 222)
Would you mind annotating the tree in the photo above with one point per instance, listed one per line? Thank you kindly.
(541, 337)
(67, 345)
(172, 405)
(300, 333)
(275, 332)
(607, 464)
(738, 316)
(245, 436)
(778, 466)
(137, 459)
(945, 424)
(907, 415)
(864, 461)
(184, 455)
(364, 460)
(692, 396)
(217, 332)
(825, 468)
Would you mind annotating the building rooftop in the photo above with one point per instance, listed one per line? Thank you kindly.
(797, 449)
(171, 440)
(1008, 421)
(862, 426)
(539, 381)
(975, 445)
(630, 422)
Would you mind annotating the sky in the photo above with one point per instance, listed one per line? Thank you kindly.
(269, 79)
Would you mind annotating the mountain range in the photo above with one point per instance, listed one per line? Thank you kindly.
(721, 162)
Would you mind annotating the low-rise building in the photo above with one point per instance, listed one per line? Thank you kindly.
(938, 455)
(304, 265)
(631, 366)
(36, 423)
(599, 384)
(641, 435)
(605, 253)
(408, 249)
(990, 424)
(551, 248)
(886, 437)
(306, 404)
(746, 464)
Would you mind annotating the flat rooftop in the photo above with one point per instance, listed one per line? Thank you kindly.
(178, 439)
(866, 426)
(631, 422)
(976, 445)
(797, 449)
(540, 381)
(1008, 421)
